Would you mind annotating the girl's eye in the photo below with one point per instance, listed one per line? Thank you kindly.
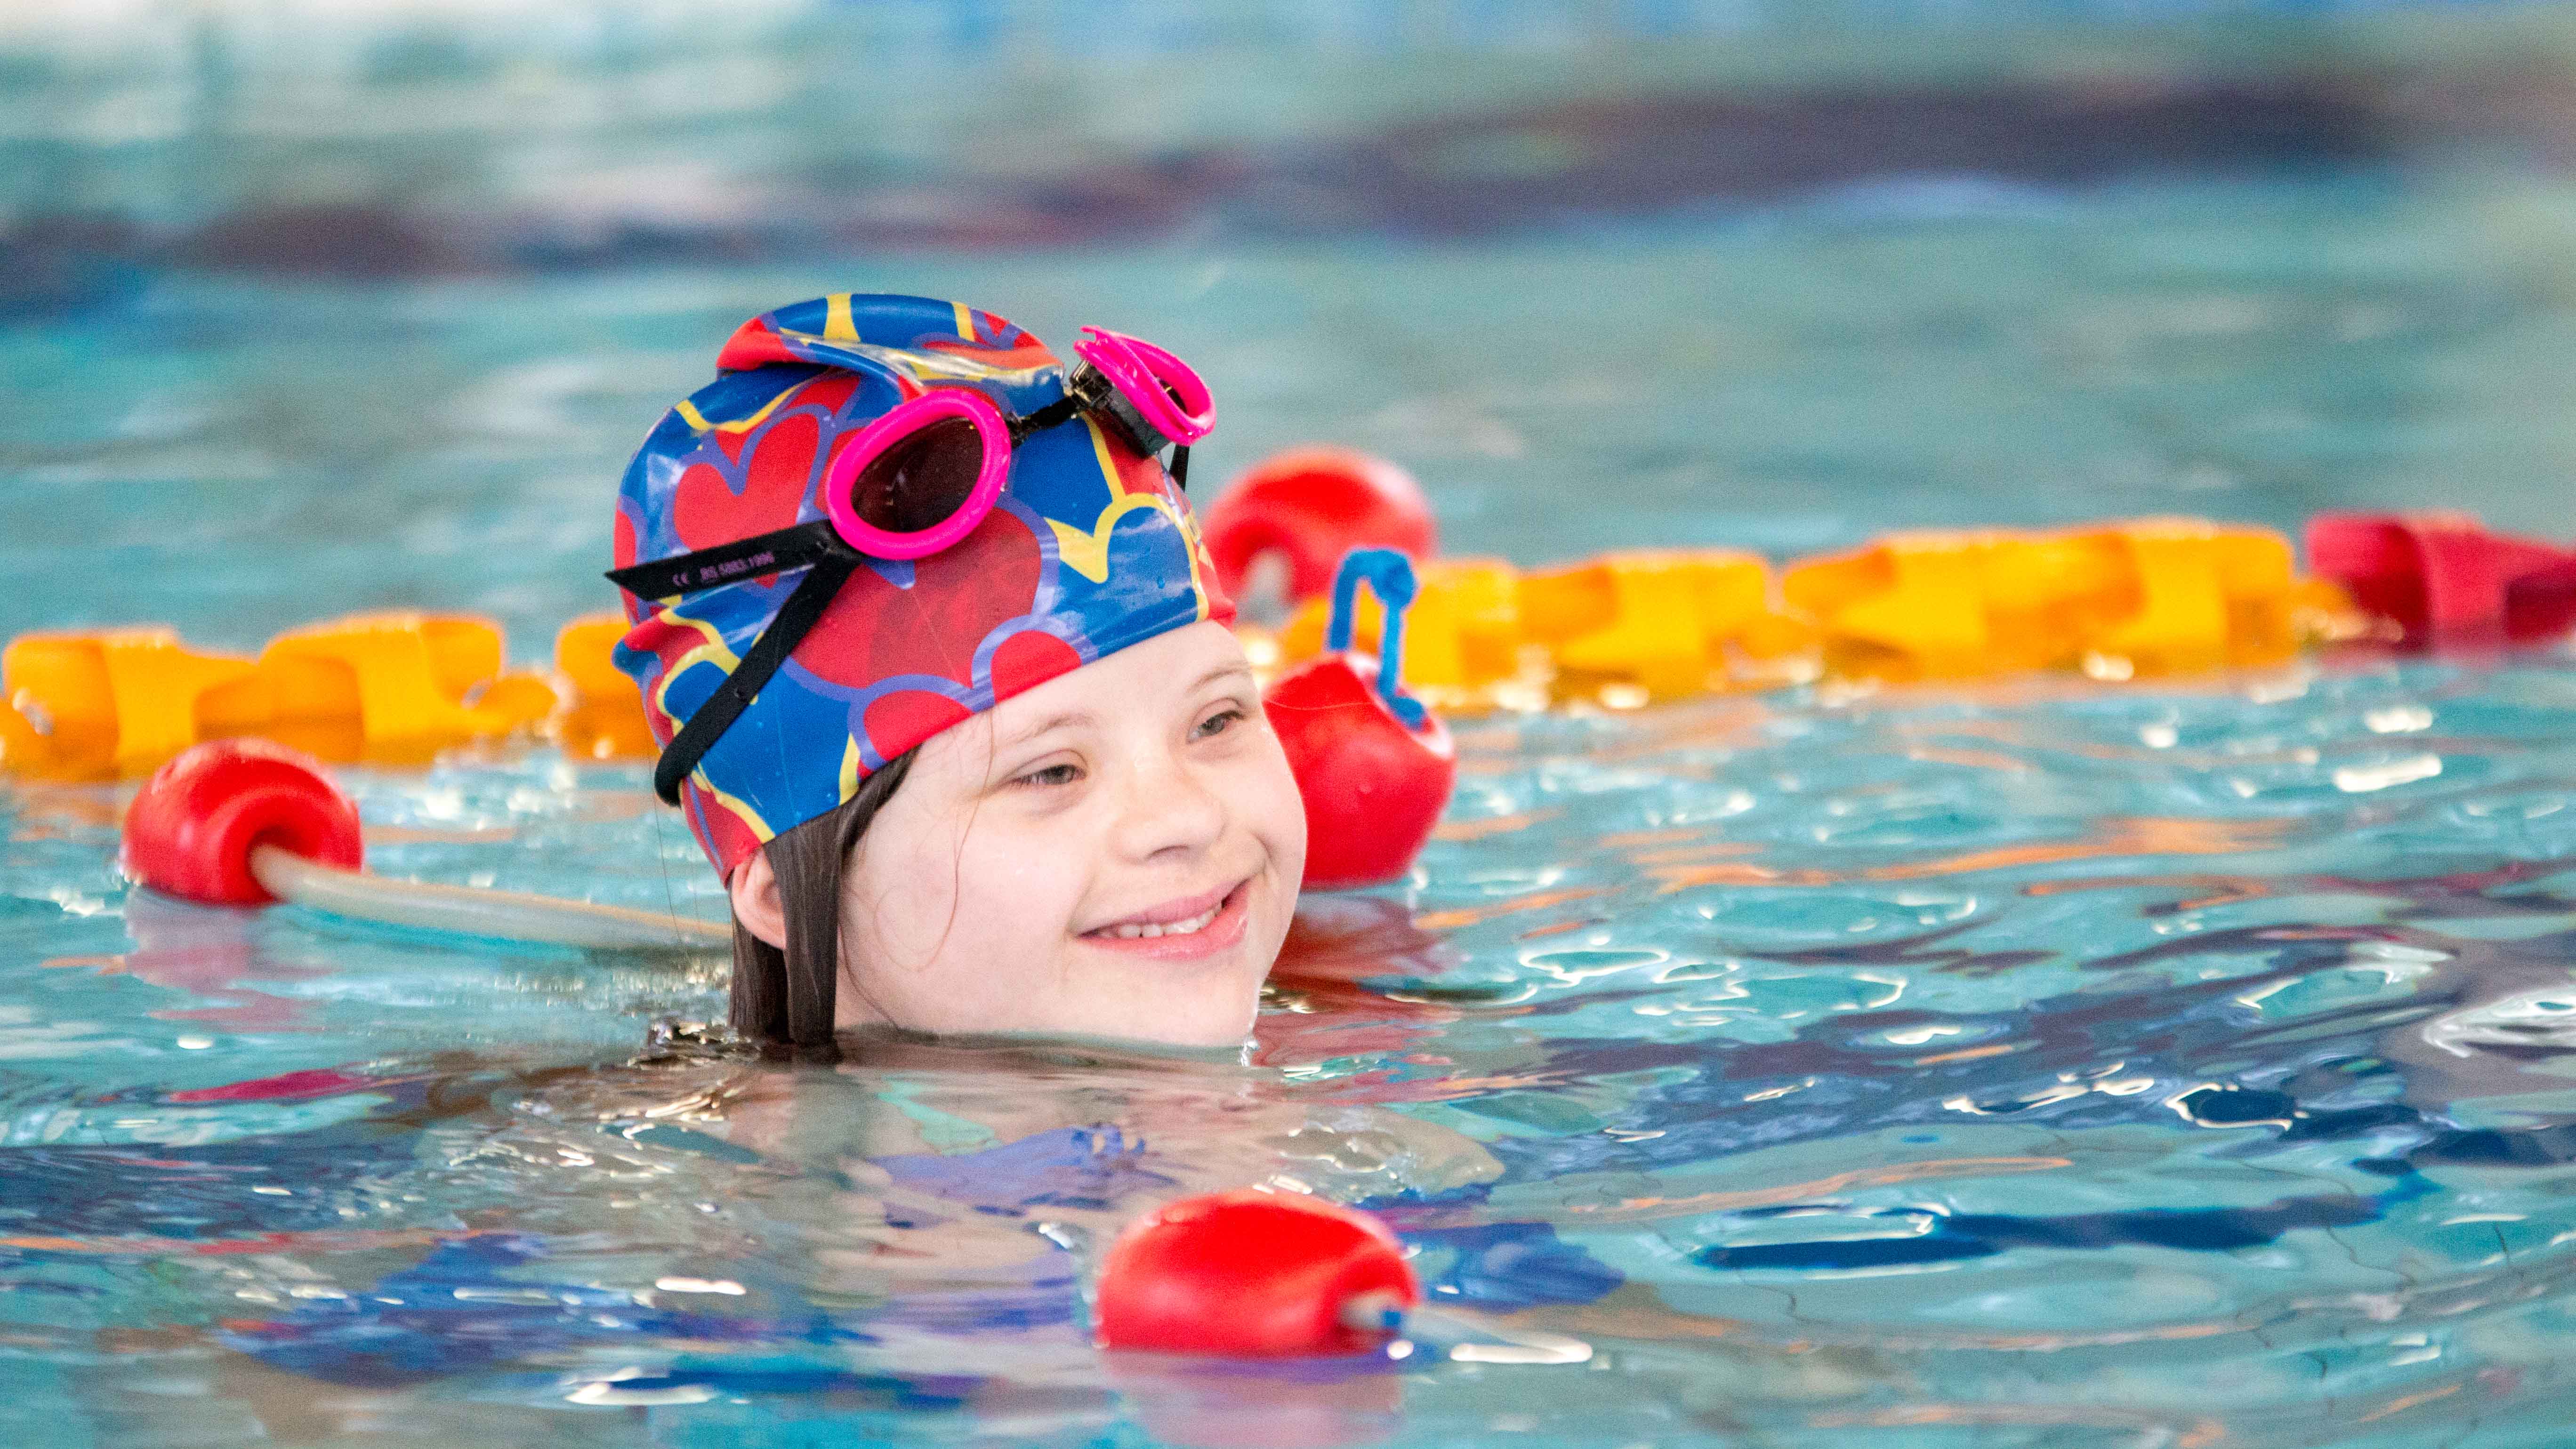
(1218, 723)
(1051, 775)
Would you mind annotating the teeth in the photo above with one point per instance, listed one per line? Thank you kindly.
(1131, 931)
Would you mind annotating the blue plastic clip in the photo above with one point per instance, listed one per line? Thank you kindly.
(1389, 575)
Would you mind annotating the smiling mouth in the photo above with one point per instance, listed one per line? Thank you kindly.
(1191, 927)
(1223, 917)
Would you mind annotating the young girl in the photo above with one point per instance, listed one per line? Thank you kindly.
(947, 693)
(944, 683)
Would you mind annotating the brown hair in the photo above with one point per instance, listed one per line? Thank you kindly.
(789, 996)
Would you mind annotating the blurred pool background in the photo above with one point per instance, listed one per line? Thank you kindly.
(2031, 1065)
(407, 280)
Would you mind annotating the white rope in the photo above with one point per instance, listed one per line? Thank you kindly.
(507, 915)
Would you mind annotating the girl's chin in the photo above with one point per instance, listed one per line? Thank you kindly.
(1196, 1003)
(1172, 1037)
(1160, 1021)
(1118, 996)
(1151, 1008)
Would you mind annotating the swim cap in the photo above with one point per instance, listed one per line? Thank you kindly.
(1090, 548)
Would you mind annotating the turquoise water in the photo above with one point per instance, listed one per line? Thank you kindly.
(2037, 1066)
(2040, 1064)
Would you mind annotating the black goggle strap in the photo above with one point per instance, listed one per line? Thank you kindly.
(1046, 417)
(794, 620)
(730, 563)
(1088, 389)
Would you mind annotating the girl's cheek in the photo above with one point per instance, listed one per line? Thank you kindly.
(881, 918)
(1018, 879)
(904, 890)
(1277, 815)
(1019, 876)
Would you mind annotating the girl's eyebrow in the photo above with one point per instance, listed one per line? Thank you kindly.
(1045, 726)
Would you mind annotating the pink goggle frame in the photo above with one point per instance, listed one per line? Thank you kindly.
(1152, 397)
(1165, 393)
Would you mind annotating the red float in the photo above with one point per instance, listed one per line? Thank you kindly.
(2445, 577)
(1312, 505)
(243, 822)
(191, 828)
(1250, 1274)
(1374, 767)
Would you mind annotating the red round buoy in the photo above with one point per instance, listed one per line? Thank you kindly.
(1373, 787)
(1249, 1274)
(190, 830)
(1312, 505)
(1372, 764)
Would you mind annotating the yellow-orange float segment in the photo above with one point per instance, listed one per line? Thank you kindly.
(119, 701)
(408, 674)
(1657, 635)
(58, 682)
(1909, 606)
(584, 654)
(605, 719)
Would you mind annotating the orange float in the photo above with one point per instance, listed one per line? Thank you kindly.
(2115, 600)
(389, 687)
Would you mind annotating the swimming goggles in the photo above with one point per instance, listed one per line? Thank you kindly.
(911, 483)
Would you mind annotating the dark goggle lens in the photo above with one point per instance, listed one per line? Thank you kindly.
(921, 480)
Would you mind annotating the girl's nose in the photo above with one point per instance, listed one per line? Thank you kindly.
(1166, 807)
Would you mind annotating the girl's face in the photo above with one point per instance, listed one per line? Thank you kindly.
(1113, 853)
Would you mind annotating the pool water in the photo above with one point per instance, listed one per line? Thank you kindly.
(2180, 1064)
